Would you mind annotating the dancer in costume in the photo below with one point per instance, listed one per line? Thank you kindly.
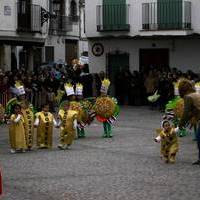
(27, 111)
(169, 142)
(106, 109)
(79, 98)
(44, 122)
(68, 124)
(191, 109)
(17, 130)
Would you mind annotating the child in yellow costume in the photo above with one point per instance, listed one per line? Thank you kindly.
(169, 142)
(44, 122)
(67, 123)
(17, 131)
(27, 111)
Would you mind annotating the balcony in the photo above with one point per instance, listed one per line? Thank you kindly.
(166, 15)
(28, 18)
(114, 17)
(60, 25)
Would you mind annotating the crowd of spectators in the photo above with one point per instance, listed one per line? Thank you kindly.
(134, 88)
(129, 88)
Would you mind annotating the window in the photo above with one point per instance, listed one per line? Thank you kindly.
(49, 54)
(73, 8)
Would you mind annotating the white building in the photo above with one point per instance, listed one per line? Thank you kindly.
(37, 31)
(137, 34)
(66, 40)
(22, 32)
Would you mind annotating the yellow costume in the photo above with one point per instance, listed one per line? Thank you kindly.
(17, 133)
(169, 145)
(44, 122)
(67, 129)
(28, 123)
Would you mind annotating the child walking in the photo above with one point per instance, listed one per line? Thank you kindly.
(67, 123)
(44, 122)
(169, 142)
(17, 131)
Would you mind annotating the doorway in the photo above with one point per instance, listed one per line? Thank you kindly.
(116, 62)
(153, 58)
(71, 49)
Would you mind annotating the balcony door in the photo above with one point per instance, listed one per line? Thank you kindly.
(24, 15)
(114, 15)
(170, 14)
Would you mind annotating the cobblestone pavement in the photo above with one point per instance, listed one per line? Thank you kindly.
(126, 167)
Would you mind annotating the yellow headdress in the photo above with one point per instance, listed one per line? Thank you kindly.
(79, 89)
(105, 85)
(19, 88)
(69, 89)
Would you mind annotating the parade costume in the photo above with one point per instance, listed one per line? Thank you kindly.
(17, 133)
(67, 124)
(27, 111)
(106, 109)
(191, 112)
(80, 124)
(169, 143)
(44, 122)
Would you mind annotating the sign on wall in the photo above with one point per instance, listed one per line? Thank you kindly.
(7, 10)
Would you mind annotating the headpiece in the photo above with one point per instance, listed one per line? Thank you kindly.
(79, 89)
(105, 85)
(69, 89)
(19, 88)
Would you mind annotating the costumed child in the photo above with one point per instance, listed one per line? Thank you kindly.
(79, 98)
(67, 123)
(169, 142)
(17, 130)
(106, 109)
(44, 122)
(27, 111)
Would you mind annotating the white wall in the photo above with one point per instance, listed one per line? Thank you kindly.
(59, 46)
(136, 20)
(184, 54)
(8, 23)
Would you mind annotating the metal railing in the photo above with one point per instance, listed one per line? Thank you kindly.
(60, 25)
(167, 15)
(114, 17)
(28, 17)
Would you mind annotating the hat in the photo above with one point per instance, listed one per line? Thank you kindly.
(19, 88)
(104, 86)
(69, 89)
(79, 89)
(164, 121)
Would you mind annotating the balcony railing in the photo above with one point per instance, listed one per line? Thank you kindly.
(28, 18)
(166, 15)
(60, 25)
(113, 17)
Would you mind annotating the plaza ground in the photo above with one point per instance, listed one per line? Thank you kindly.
(126, 167)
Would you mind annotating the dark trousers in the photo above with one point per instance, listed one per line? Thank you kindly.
(198, 139)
